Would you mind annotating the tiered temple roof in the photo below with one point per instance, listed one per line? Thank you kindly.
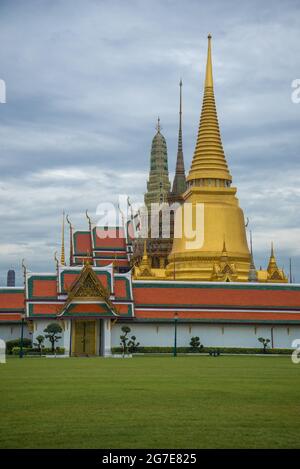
(101, 246)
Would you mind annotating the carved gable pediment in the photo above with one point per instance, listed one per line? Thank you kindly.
(275, 276)
(227, 269)
(88, 288)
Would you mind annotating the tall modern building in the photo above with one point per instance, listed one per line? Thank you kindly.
(11, 278)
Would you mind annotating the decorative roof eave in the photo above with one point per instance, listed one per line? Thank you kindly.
(78, 269)
(214, 321)
(93, 302)
(88, 288)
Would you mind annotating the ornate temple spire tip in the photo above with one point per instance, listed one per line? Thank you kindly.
(272, 249)
(224, 248)
(209, 160)
(145, 254)
(208, 74)
(62, 255)
(158, 126)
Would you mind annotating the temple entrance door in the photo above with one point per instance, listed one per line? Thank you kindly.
(84, 338)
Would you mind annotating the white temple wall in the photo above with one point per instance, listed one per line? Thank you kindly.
(106, 331)
(162, 334)
(211, 335)
(38, 329)
(13, 331)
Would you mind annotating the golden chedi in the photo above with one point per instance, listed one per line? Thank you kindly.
(211, 202)
(273, 274)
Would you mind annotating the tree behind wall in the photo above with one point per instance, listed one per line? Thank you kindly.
(195, 344)
(39, 343)
(264, 342)
(51, 333)
(124, 338)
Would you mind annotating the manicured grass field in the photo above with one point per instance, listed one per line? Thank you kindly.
(148, 402)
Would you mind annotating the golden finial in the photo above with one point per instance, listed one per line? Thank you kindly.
(224, 255)
(272, 249)
(272, 261)
(145, 265)
(145, 255)
(224, 250)
(88, 260)
(62, 255)
(71, 239)
(209, 74)
(224, 246)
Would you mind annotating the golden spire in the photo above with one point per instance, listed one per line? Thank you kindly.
(272, 250)
(208, 73)
(144, 266)
(252, 270)
(62, 254)
(224, 255)
(71, 239)
(272, 261)
(145, 254)
(209, 159)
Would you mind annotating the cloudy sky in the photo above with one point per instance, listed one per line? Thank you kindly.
(85, 82)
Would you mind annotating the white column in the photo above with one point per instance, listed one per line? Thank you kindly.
(106, 337)
(66, 336)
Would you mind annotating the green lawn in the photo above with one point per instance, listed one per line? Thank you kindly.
(150, 402)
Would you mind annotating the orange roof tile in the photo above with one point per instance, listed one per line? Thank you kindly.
(232, 295)
(11, 299)
(215, 315)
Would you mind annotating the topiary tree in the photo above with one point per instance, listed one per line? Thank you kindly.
(265, 343)
(51, 333)
(195, 344)
(133, 345)
(124, 338)
(39, 343)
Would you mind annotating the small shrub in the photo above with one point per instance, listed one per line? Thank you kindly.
(36, 351)
(39, 343)
(10, 344)
(206, 350)
(133, 345)
(16, 350)
(195, 344)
